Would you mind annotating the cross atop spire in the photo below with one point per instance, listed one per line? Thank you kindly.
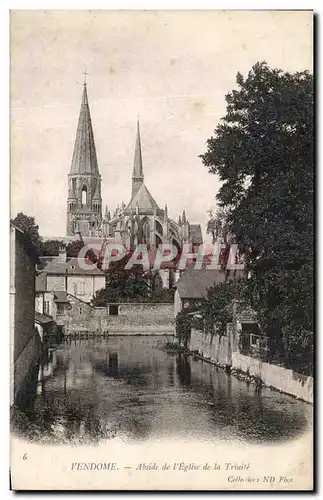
(85, 73)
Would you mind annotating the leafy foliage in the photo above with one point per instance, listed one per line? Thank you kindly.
(216, 307)
(183, 325)
(28, 225)
(106, 295)
(73, 248)
(51, 247)
(162, 295)
(262, 152)
(217, 225)
(122, 288)
(131, 285)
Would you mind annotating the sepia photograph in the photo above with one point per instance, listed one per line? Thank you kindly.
(161, 250)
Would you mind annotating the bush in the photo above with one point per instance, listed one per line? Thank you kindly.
(183, 326)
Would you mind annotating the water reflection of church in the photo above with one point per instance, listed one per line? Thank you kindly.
(140, 221)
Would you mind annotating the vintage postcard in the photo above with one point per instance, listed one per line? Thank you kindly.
(161, 248)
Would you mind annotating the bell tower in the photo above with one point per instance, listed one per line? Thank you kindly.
(84, 202)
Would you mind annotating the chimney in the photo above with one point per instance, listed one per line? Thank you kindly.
(62, 253)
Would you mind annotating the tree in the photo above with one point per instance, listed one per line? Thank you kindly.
(73, 248)
(216, 307)
(124, 285)
(262, 152)
(28, 225)
(183, 326)
(217, 224)
(51, 247)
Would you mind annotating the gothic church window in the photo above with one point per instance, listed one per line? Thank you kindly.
(159, 228)
(158, 241)
(74, 184)
(146, 232)
(84, 195)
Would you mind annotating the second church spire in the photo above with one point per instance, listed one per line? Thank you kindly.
(138, 173)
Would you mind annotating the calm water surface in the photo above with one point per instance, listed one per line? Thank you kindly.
(129, 387)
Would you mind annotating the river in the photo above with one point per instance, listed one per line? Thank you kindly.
(131, 388)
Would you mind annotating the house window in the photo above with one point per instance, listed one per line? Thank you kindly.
(79, 288)
(254, 340)
(81, 311)
(113, 310)
(60, 308)
(259, 342)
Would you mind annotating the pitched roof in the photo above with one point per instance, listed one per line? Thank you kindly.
(84, 159)
(195, 282)
(43, 319)
(144, 200)
(61, 297)
(74, 266)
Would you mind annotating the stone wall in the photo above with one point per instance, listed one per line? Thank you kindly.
(25, 343)
(25, 364)
(275, 376)
(219, 351)
(145, 318)
(211, 347)
(23, 295)
(80, 316)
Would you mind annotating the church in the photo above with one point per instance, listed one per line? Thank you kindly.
(140, 221)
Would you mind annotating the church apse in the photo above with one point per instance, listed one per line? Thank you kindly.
(141, 221)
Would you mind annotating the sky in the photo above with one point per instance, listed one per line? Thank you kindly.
(173, 68)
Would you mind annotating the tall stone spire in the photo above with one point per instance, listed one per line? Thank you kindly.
(84, 202)
(137, 174)
(84, 159)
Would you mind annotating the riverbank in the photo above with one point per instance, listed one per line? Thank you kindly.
(258, 373)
